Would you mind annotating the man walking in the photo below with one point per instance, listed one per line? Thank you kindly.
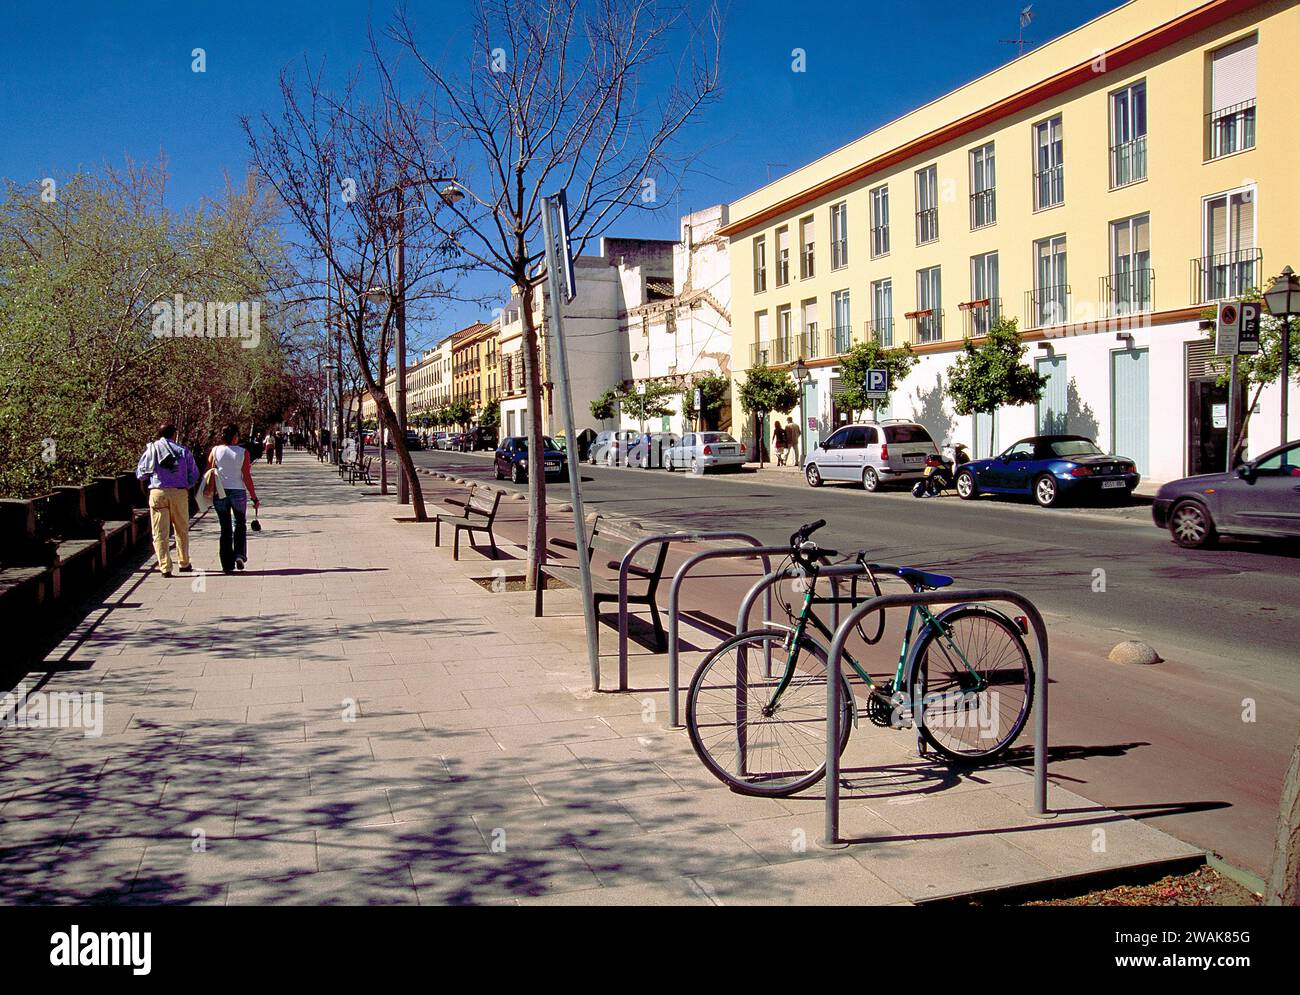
(792, 434)
(279, 447)
(169, 472)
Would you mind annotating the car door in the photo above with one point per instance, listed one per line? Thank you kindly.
(853, 457)
(1016, 467)
(829, 462)
(1270, 502)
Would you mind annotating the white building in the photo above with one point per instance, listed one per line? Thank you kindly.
(683, 329)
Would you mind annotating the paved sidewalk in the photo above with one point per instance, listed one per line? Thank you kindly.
(356, 720)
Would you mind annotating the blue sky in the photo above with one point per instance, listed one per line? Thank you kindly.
(84, 83)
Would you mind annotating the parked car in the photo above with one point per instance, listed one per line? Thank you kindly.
(871, 454)
(1050, 468)
(412, 440)
(512, 459)
(1258, 500)
(609, 447)
(638, 455)
(438, 440)
(700, 452)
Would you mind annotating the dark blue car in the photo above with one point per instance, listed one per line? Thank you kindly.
(1050, 468)
(512, 459)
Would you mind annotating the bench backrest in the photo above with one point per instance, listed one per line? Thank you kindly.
(609, 536)
(483, 504)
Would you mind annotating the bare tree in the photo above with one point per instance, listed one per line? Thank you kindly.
(556, 94)
(332, 160)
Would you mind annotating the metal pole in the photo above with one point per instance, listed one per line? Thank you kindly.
(1232, 411)
(570, 450)
(403, 485)
(1286, 373)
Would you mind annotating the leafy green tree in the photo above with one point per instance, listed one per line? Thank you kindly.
(763, 391)
(459, 413)
(872, 355)
(653, 403)
(713, 388)
(490, 416)
(605, 407)
(993, 374)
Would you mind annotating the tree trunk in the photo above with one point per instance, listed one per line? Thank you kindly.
(1284, 881)
(536, 463)
(993, 432)
(388, 421)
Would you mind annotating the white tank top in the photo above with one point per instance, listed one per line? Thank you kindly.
(229, 461)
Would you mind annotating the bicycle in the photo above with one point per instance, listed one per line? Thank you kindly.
(760, 728)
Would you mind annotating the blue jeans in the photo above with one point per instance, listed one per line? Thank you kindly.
(234, 535)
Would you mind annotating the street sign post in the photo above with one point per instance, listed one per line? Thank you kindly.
(877, 385)
(699, 404)
(559, 259)
(1236, 334)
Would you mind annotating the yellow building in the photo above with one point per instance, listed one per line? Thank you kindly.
(475, 377)
(1101, 189)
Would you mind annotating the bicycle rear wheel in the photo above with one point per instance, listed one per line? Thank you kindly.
(959, 721)
(745, 742)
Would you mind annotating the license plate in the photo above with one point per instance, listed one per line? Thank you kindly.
(913, 457)
(552, 466)
(1111, 484)
(727, 450)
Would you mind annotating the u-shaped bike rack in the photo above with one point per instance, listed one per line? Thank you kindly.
(833, 667)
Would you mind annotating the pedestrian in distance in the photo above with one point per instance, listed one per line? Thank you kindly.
(279, 448)
(792, 434)
(169, 471)
(234, 468)
(268, 447)
(778, 442)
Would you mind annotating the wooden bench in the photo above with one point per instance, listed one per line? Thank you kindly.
(646, 569)
(360, 469)
(477, 514)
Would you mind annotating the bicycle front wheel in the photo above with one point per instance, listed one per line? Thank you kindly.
(972, 684)
(751, 739)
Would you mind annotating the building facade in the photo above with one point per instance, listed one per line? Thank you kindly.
(475, 373)
(683, 328)
(620, 278)
(1104, 190)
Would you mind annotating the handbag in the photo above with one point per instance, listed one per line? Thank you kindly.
(255, 525)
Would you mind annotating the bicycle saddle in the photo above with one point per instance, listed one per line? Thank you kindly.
(920, 578)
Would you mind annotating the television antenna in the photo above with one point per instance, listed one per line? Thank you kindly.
(1026, 18)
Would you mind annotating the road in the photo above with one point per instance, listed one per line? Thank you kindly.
(1202, 739)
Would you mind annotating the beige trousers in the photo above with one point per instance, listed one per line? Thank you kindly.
(169, 508)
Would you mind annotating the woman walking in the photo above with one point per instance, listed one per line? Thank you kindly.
(778, 442)
(234, 468)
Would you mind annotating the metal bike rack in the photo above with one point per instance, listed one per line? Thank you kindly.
(625, 566)
(763, 553)
(833, 667)
(767, 582)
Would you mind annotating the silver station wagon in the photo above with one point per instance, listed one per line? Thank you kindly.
(871, 454)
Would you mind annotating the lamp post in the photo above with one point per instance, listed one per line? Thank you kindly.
(800, 375)
(1283, 302)
(450, 195)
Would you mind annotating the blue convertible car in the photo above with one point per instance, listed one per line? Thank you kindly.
(1051, 468)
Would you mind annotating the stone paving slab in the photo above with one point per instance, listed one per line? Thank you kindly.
(354, 720)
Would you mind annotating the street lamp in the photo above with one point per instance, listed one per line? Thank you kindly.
(1283, 302)
(800, 375)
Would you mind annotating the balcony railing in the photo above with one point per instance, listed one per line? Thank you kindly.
(839, 340)
(807, 345)
(1046, 306)
(1230, 130)
(808, 262)
(927, 225)
(760, 279)
(1127, 292)
(1226, 275)
(1128, 162)
(783, 269)
(880, 329)
(839, 253)
(979, 316)
(879, 240)
(774, 352)
(1049, 187)
(927, 324)
(983, 208)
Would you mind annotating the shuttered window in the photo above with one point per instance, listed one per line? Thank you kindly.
(1232, 73)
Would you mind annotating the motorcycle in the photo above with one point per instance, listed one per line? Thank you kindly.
(940, 471)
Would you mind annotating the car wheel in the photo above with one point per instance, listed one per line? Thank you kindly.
(966, 485)
(1046, 491)
(812, 475)
(500, 475)
(609, 459)
(870, 480)
(695, 465)
(1191, 526)
(668, 463)
(516, 474)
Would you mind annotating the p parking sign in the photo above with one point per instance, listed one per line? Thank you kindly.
(877, 385)
(1237, 328)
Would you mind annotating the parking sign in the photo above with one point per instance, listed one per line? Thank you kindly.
(1237, 328)
(877, 384)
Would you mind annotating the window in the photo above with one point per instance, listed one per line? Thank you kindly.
(837, 440)
(1049, 166)
(762, 346)
(1230, 123)
(927, 204)
(1050, 297)
(839, 235)
(807, 233)
(760, 264)
(929, 319)
(983, 293)
(1128, 135)
(784, 337)
(857, 439)
(882, 311)
(809, 309)
(983, 199)
(1231, 263)
(879, 221)
(843, 330)
(782, 256)
(1129, 285)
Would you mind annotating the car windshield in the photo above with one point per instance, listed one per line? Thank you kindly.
(547, 442)
(716, 437)
(906, 433)
(1076, 447)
